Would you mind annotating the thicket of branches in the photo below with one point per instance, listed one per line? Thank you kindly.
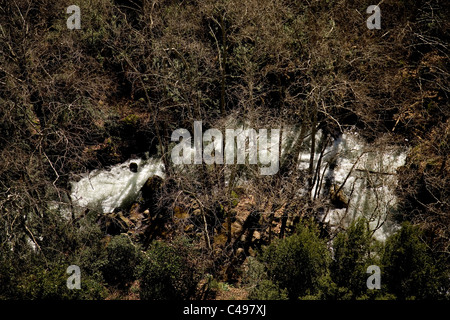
(73, 100)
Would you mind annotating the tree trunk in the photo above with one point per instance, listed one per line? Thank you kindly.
(223, 64)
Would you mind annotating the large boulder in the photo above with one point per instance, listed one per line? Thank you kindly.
(151, 189)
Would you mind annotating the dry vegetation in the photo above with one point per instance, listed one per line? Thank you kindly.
(74, 100)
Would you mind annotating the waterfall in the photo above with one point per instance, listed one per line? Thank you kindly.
(364, 175)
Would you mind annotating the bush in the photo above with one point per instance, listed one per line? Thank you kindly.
(123, 258)
(259, 286)
(267, 290)
(26, 273)
(352, 255)
(410, 272)
(168, 272)
(45, 283)
(8, 282)
(297, 262)
(50, 283)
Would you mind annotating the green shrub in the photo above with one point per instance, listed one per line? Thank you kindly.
(352, 255)
(297, 262)
(26, 273)
(267, 290)
(168, 272)
(8, 281)
(409, 270)
(255, 279)
(123, 258)
(254, 272)
(45, 282)
(50, 283)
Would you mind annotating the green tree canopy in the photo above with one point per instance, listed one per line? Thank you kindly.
(409, 270)
(352, 256)
(298, 261)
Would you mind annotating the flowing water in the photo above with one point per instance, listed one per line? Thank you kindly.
(364, 175)
(115, 187)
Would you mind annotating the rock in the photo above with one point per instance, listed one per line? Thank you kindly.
(106, 240)
(124, 219)
(220, 239)
(256, 236)
(133, 167)
(180, 213)
(113, 223)
(135, 212)
(150, 189)
(338, 199)
(236, 229)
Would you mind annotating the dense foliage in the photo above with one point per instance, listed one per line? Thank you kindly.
(169, 272)
(75, 100)
(297, 262)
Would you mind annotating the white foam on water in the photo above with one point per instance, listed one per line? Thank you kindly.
(368, 176)
(108, 189)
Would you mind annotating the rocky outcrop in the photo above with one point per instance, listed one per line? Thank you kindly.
(150, 190)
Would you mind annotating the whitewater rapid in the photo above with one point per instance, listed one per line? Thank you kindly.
(364, 174)
(116, 187)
